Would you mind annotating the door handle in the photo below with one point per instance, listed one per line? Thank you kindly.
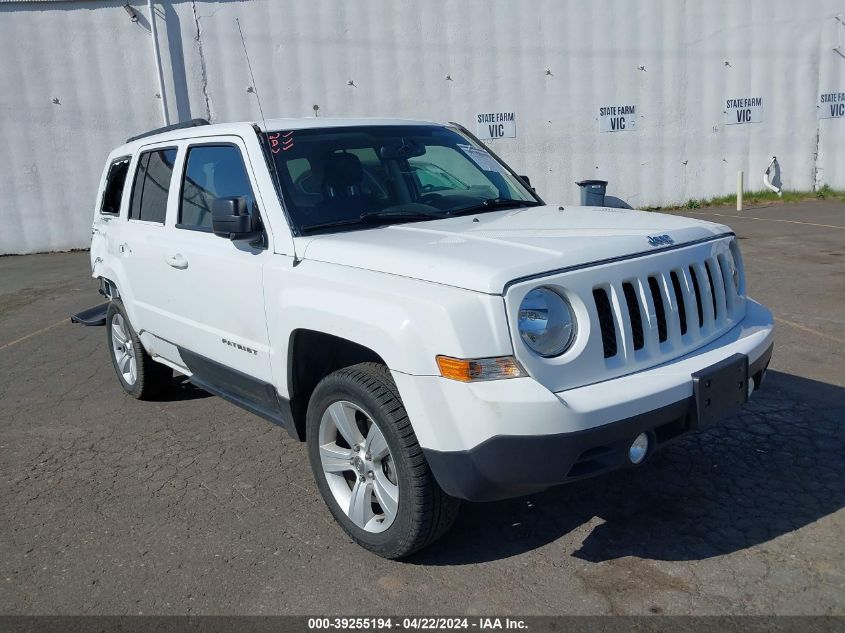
(177, 261)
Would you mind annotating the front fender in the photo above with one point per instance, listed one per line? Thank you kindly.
(407, 322)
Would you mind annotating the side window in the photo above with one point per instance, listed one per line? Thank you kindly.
(375, 182)
(306, 188)
(115, 180)
(433, 178)
(447, 160)
(151, 185)
(211, 172)
(297, 168)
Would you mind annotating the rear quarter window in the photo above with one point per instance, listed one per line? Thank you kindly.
(115, 181)
(152, 185)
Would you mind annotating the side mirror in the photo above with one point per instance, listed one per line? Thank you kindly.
(230, 218)
(527, 181)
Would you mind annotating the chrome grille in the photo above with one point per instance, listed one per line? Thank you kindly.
(697, 289)
(666, 309)
(659, 310)
(605, 312)
(638, 312)
(634, 314)
(679, 297)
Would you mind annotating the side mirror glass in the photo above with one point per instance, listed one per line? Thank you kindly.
(230, 218)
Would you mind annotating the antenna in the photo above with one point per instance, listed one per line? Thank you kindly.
(252, 77)
(266, 145)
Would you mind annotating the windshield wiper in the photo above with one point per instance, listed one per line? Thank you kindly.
(399, 214)
(329, 225)
(376, 217)
(388, 215)
(496, 203)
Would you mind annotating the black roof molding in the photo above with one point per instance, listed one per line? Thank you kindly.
(168, 128)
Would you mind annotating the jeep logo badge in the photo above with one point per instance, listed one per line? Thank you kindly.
(660, 240)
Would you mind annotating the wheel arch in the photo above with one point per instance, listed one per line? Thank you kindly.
(115, 285)
(108, 288)
(313, 355)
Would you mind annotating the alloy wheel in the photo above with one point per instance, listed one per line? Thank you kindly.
(358, 466)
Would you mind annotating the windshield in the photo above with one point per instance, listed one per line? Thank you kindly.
(354, 176)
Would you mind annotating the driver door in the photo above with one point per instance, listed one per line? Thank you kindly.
(215, 285)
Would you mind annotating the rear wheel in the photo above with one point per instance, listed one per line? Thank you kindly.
(139, 375)
(369, 467)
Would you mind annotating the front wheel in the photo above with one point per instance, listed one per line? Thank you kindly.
(369, 467)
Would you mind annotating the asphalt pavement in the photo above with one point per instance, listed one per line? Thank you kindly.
(192, 506)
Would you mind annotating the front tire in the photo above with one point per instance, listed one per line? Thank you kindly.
(139, 375)
(369, 467)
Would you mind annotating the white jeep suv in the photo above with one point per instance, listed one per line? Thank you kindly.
(395, 295)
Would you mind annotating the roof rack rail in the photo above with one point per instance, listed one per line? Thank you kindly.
(168, 128)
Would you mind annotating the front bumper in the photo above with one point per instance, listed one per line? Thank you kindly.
(510, 466)
(501, 439)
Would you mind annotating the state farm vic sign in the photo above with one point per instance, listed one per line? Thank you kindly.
(739, 111)
(492, 125)
(618, 118)
(832, 105)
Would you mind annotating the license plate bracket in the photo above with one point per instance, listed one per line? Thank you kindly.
(720, 389)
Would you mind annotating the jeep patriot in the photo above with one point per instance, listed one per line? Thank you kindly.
(398, 298)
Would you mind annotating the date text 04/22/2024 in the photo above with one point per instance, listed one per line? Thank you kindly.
(416, 623)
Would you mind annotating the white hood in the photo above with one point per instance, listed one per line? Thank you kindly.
(484, 252)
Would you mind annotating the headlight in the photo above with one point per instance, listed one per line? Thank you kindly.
(546, 322)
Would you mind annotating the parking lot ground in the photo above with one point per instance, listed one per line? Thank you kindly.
(192, 506)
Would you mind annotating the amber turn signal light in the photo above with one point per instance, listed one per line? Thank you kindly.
(473, 369)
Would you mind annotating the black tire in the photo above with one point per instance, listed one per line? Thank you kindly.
(152, 379)
(425, 512)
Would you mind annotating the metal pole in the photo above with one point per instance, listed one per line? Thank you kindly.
(739, 190)
(157, 54)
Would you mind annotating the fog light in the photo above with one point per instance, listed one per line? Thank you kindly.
(639, 449)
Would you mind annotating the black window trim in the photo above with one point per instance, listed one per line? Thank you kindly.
(208, 143)
(270, 163)
(293, 221)
(120, 159)
(141, 153)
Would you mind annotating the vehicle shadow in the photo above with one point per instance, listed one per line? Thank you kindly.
(774, 467)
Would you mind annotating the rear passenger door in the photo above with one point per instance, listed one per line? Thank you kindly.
(106, 227)
(140, 242)
(214, 290)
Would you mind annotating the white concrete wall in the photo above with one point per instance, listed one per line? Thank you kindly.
(99, 64)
